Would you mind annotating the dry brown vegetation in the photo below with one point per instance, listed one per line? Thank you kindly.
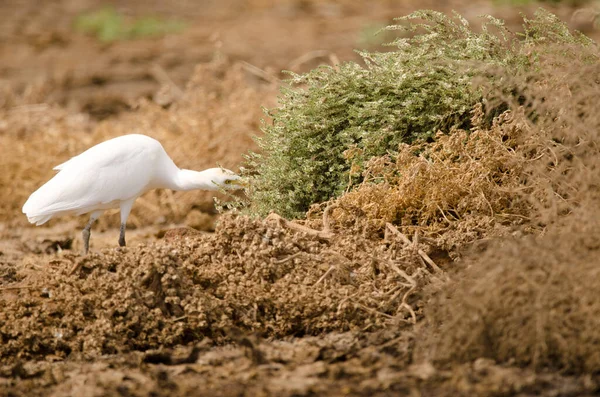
(459, 189)
(465, 266)
(529, 301)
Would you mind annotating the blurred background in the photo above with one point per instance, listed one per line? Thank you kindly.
(98, 57)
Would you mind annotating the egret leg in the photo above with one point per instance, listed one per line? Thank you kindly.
(122, 236)
(87, 230)
(125, 210)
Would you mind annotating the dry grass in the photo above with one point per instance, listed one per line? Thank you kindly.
(559, 100)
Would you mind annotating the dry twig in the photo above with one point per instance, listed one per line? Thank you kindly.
(406, 241)
(309, 56)
(324, 276)
(289, 258)
(163, 78)
(258, 72)
(325, 235)
(16, 287)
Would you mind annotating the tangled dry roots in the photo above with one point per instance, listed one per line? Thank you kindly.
(257, 276)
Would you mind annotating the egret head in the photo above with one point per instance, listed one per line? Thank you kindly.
(224, 178)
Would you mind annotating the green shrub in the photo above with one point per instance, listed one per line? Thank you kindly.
(331, 120)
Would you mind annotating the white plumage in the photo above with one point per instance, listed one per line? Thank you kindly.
(113, 174)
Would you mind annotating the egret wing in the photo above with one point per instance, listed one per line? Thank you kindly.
(89, 182)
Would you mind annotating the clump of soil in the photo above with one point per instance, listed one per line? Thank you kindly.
(336, 364)
(258, 276)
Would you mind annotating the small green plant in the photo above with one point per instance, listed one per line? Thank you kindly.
(332, 120)
(108, 25)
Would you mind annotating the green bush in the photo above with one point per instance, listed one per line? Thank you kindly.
(331, 120)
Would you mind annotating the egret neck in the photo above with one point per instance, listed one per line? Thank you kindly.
(192, 180)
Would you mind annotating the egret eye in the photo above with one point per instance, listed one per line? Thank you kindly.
(228, 181)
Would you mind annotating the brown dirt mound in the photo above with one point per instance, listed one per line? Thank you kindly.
(251, 275)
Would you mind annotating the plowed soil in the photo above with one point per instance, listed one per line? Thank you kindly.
(222, 305)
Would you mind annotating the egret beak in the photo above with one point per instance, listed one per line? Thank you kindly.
(235, 183)
(241, 183)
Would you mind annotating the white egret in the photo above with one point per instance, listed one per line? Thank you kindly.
(113, 174)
